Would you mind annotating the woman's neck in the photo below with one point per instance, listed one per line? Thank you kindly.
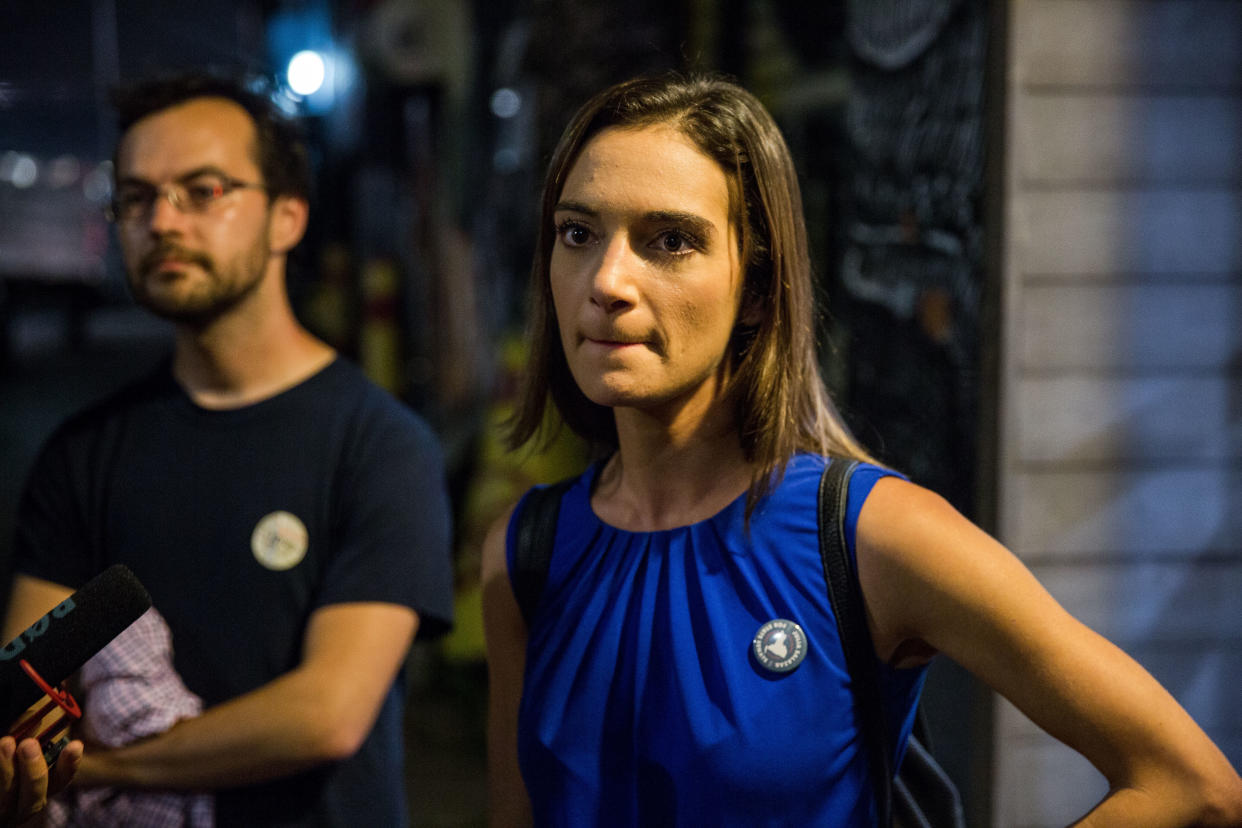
(665, 477)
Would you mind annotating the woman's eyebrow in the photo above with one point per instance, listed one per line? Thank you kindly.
(697, 225)
(693, 222)
(575, 207)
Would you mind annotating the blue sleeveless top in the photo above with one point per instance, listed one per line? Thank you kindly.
(642, 703)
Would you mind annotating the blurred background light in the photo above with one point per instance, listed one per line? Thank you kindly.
(317, 70)
(25, 172)
(64, 171)
(306, 72)
(506, 103)
(97, 184)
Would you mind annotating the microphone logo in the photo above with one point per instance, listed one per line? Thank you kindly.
(17, 646)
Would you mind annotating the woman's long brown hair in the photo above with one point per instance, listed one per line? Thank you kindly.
(782, 405)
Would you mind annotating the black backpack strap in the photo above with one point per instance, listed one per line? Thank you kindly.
(845, 595)
(536, 535)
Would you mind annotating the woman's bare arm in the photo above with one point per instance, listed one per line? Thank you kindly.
(505, 633)
(931, 577)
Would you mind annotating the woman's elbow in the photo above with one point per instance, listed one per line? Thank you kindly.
(1222, 803)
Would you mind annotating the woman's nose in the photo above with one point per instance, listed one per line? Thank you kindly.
(612, 284)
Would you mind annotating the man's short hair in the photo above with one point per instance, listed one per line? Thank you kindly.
(280, 150)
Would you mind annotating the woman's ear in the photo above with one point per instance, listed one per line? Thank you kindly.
(751, 313)
(287, 223)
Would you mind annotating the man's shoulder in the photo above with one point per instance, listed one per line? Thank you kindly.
(371, 407)
(150, 390)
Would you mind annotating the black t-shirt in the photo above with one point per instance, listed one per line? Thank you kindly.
(240, 524)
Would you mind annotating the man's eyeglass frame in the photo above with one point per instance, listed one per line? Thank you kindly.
(178, 195)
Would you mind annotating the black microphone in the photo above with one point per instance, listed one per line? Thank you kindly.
(60, 642)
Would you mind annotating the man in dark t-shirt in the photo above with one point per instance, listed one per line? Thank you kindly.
(288, 517)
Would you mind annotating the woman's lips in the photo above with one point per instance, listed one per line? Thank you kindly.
(612, 343)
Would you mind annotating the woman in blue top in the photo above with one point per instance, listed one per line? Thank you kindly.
(683, 665)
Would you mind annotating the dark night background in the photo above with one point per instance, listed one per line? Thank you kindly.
(428, 145)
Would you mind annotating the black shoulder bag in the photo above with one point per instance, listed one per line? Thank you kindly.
(922, 795)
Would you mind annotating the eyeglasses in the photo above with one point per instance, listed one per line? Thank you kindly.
(196, 194)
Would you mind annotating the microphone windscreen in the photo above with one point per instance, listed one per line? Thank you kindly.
(67, 636)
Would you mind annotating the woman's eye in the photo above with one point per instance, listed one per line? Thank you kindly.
(674, 242)
(573, 234)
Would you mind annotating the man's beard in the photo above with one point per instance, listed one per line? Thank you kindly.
(212, 297)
